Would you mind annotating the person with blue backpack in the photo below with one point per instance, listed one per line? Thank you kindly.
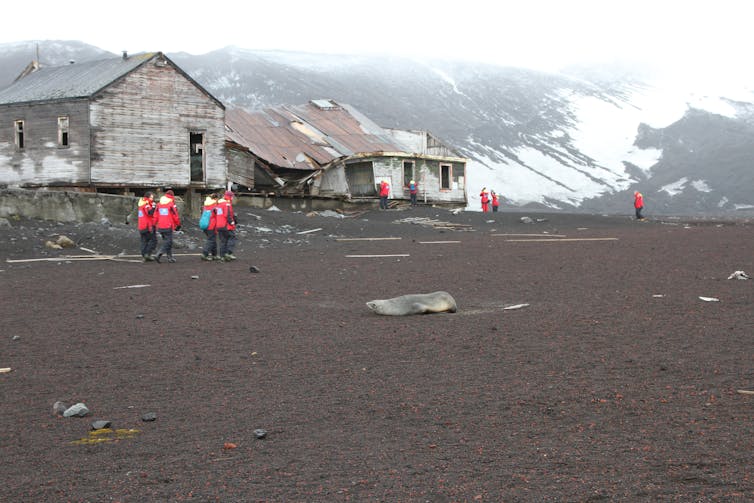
(208, 224)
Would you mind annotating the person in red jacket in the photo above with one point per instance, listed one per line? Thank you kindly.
(495, 201)
(226, 226)
(413, 189)
(384, 193)
(146, 212)
(209, 252)
(638, 204)
(485, 195)
(167, 221)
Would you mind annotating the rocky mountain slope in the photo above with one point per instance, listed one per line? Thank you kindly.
(581, 140)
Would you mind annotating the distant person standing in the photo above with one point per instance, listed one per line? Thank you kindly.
(209, 252)
(226, 226)
(167, 221)
(638, 204)
(413, 189)
(146, 213)
(485, 196)
(495, 202)
(384, 193)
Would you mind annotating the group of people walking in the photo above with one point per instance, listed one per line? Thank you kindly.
(162, 217)
(489, 200)
(384, 192)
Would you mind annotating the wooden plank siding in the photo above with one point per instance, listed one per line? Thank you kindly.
(141, 126)
(42, 162)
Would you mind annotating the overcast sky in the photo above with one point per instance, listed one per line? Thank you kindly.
(540, 34)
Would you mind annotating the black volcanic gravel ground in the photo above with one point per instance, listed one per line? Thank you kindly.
(615, 383)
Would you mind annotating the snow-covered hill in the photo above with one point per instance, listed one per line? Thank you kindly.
(580, 140)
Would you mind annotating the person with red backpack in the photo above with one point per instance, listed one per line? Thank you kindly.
(167, 221)
(146, 213)
(638, 204)
(209, 252)
(226, 226)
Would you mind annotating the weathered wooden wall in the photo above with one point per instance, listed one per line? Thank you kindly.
(426, 173)
(240, 167)
(42, 162)
(141, 125)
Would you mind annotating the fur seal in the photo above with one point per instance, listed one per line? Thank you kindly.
(418, 303)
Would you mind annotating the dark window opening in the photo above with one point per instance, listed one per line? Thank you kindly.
(62, 131)
(445, 176)
(196, 156)
(408, 172)
(20, 134)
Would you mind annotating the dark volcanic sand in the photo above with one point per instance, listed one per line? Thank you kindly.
(600, 389)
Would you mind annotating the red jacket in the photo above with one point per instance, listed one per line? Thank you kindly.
(226, 219)
(384, 189)
(485, 197)
(147, 214)
(638, 200)
(167, 214)
(495, 200)
(413, 188)
(211, 205)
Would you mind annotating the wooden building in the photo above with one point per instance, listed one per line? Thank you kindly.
(117, 125)
(328, 149)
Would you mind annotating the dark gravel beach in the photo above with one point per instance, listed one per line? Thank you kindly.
(611, 379)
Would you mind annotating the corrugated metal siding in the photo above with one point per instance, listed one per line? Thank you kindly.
(43, 161)
(141, 129)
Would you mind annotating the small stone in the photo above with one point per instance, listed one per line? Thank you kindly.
(194, 277)
(260, 433)
(100, 425)
(58, 408)
(15, 337)
(253, 269)
(149, 416)
(139, 316)
(79, 410)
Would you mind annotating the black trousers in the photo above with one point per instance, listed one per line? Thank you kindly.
(167, 242)
(148, 242)
(210, 246)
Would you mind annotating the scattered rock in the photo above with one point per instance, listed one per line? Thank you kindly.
(58, 408)
(273, 208)
(78, 410)
(260, 433)
(229, 445)
(15, 337)
(709, 299)
(139, 316)
(253, 269)
(4, 222)
(100, 425)
(527, 220)
(149, 416)
(194, 277)
(52, 246)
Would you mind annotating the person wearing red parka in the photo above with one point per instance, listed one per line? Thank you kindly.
(495, 201)
(485, 196)
(209, 252)
(146, 213)
(226, 226)
(384, 193)
(167, 221)
(638, 204)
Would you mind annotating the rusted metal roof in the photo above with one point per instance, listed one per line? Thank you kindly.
(308, 136)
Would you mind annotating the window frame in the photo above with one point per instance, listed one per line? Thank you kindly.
(449, 166)
(19, 134)
(64, 136)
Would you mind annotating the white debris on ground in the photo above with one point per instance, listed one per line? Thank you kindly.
(709, 299)
(739, 275)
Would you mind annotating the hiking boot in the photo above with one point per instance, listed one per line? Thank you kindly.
(157, 257)
(230, 256)
(206, 258)
(171, 259)
(217, 258)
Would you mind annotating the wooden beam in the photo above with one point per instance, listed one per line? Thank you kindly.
(437, 242)
(366, 239)
(533, 235)
(559, 240)
(379, 256)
